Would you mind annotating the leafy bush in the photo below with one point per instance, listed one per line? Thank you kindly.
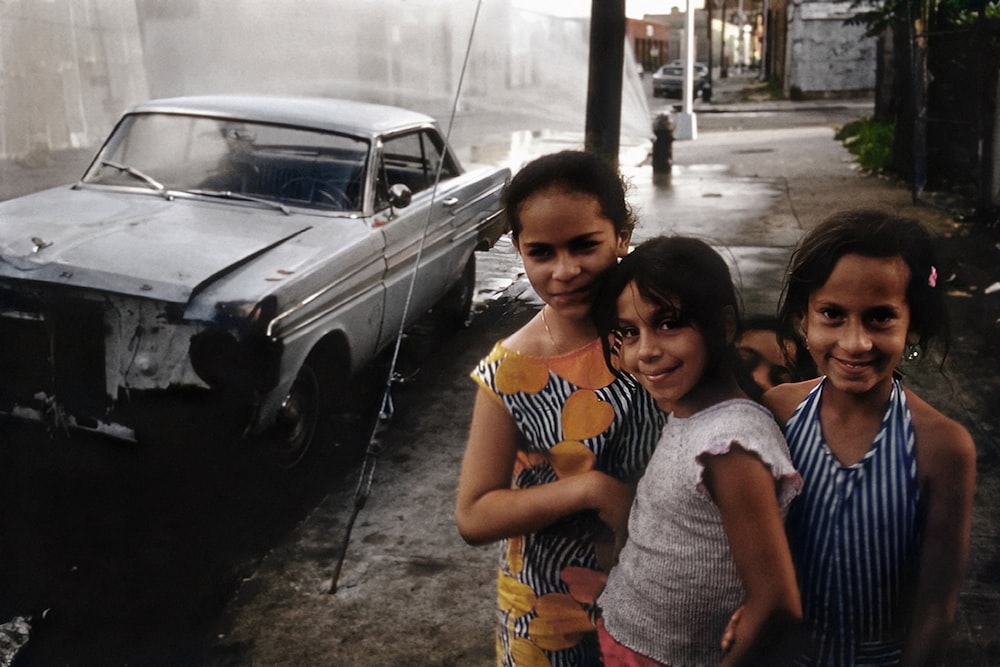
(871, 142)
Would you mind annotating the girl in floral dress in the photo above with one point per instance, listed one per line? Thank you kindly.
(556, 439)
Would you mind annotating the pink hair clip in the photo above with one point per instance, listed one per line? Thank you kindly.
(932, 278)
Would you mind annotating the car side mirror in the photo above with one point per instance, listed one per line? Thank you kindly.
(400, 195)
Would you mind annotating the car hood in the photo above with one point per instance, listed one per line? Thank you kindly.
(137, 244)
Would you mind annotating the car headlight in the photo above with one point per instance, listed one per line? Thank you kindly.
(241, 358)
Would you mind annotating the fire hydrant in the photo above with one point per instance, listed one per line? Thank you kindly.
(663, 143)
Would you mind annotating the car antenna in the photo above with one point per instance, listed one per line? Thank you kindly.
(374, 449)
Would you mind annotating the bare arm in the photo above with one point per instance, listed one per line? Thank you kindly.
(781, 401)
(946, 464)
(488, 509)
(743, 489)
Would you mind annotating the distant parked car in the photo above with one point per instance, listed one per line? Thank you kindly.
(256, 248)
(668, 81)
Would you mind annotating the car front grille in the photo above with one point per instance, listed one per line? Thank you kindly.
(51, 348)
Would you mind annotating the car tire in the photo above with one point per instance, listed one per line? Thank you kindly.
(287, 441)
(455, 308)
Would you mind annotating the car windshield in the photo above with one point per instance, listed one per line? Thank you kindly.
(237, 159)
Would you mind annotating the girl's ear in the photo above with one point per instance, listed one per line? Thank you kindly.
(912, 337)
(799, 324)
(624, 238)
(729, 321)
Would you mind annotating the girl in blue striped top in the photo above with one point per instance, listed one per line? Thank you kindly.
(880, 534)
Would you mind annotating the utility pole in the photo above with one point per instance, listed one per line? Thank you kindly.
(604, 84)
(687, 122)
(709, 4)
(723, 69)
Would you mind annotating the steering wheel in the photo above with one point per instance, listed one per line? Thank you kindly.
(319, 191)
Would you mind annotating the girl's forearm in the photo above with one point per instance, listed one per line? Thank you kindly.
(505, 513)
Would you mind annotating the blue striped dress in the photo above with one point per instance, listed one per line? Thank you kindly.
(855, 536)
(573, 415)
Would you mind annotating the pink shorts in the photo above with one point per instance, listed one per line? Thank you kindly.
(619, 655)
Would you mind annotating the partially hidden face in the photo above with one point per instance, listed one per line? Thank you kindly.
(762, 354)
(664, 352)
(857, 323)
(566, 243)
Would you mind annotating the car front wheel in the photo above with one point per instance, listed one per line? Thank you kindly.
(294, 429)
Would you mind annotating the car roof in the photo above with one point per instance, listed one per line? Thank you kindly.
(323, 113)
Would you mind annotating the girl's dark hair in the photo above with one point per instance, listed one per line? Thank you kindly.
(869, 233)
(685, 272)
(576, 171)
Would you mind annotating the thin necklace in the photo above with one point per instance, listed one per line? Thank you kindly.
(545, 323)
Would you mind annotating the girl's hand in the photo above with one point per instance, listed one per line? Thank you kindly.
(487, 509)
(729, 634)
(613, 502)
(612, 499)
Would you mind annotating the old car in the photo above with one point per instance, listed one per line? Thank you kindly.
(257, 248)
(668, 81)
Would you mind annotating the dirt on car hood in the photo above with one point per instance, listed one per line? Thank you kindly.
(137, 244)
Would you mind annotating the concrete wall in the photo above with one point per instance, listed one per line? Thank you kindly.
(826, 57)
(67, 69)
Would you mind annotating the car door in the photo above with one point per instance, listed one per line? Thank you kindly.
(424, 227)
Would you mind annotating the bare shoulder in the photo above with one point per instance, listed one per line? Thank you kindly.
(943, 444)
(526, 340)
(782, 399)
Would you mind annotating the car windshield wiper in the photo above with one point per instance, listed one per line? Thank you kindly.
(228, 194)
(145, 178)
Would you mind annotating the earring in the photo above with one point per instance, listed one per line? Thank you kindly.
(911, 352)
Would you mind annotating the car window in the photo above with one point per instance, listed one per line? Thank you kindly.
(412, 159)
(296, 166)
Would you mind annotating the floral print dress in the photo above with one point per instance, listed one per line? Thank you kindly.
(573, 415)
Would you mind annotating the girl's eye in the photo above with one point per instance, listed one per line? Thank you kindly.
(882, 316)
(625, 333)
(539, 252)
(584, 246)
(832, 313)
(669, 323)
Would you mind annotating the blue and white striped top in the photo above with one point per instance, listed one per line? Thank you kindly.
(855, 536)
